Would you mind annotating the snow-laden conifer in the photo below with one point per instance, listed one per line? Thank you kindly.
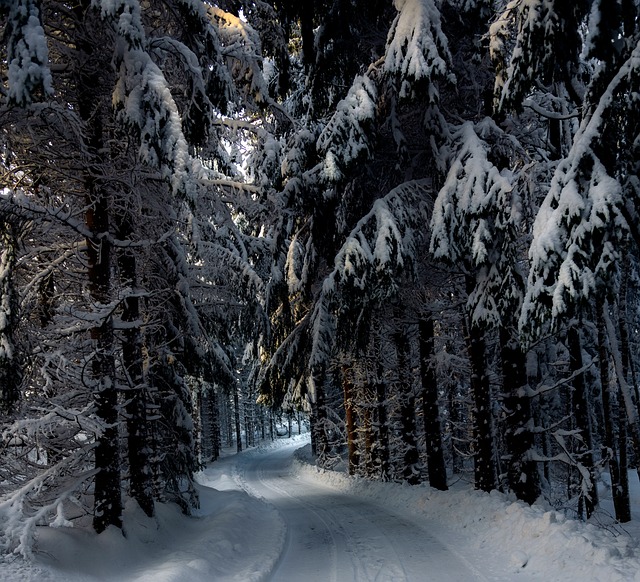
(535, 41)
(346, 138)
(417, 51)
(475, 221)
(127, 264)
(583, 220)
(29, 75)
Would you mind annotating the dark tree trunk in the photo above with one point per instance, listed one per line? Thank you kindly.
(453, 405)
(216, 440)
(46, 295)
(92, 109)
(406, 393)
(319, 413)
(411, 459)
(138, 437)
(382, 444)
(580, 409)
(307, 16)
(629, 400)
(236, 418)
(228, 422)
(271, 424)
(313, 430)
(430, 410)
(483, 445)
(350, 422)
(522, 473)
(250, 420)
(10, 373)
(368, 440)
(484, 467)
(107, 494)
(619, 493)
(623, 441)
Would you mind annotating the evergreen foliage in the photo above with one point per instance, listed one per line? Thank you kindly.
(416, 222)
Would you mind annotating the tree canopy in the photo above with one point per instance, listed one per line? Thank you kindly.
(416, 221)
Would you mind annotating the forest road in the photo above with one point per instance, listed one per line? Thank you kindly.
(335, 537)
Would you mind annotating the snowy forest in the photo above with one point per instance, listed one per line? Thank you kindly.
(413, 223)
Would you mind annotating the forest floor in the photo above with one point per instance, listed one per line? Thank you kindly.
(269, 514)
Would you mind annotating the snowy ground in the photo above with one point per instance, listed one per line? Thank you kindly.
(268, 514)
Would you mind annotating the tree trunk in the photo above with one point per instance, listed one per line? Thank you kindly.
(320, 417)
(271, 423)
(10, 374)
(483, 446)
(92, 108)
(107, 495)
(455, 432)
(352, 439)
(522, 473)
(228, 422)
(382, 444)
(623, 440)
(138, 438)
(216, 439)
(368, 440)
(236, 418)
(307, 15)
(580, 410)
(619, 493)
(411, 455)
(46, 296)
(430, 410)
(624, 369)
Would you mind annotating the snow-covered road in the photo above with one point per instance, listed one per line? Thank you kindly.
(332, 536)
(268, 515)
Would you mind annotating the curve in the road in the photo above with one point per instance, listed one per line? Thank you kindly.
(340, 538)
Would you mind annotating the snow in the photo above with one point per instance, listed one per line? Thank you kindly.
(28, 54)
(345, 137)
(417, 49)
(580, 222)
(269, 514)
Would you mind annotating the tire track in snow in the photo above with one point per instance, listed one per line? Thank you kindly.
(337, 537)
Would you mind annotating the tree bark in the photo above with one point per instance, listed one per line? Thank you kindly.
(430, 410)
(619, 493)
(92, 107)
(624, 369)
(580, 410)
(319, 414)
(138, 438)
(107, 494)
(307, 16)
(382, 444)
(10, 373)
(216, 440)
(236, 418)
(411, 455)
(350, 422)
(522, 473)
(483, 445)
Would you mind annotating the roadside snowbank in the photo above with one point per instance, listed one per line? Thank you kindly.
(541, 542)
(236, 537)
(231, 537)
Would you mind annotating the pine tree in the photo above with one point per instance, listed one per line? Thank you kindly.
(430, 410)
(119, 142)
